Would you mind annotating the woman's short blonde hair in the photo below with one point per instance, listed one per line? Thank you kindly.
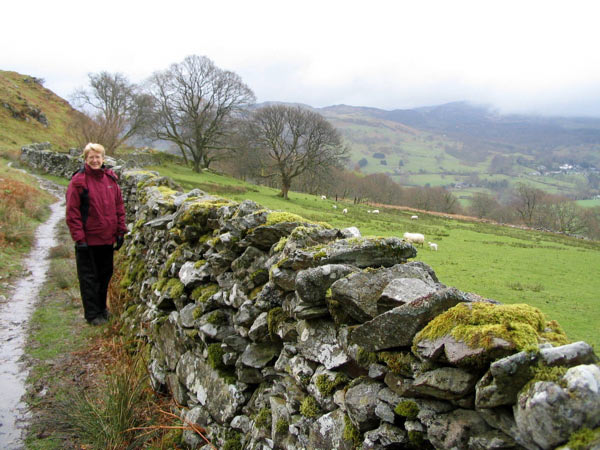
(93, 147)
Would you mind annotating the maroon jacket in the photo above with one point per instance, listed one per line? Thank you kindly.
(106, 216)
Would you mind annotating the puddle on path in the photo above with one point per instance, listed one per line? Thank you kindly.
(14, 318)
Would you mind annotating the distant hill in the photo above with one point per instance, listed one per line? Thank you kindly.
(460, 145)
(31, 113)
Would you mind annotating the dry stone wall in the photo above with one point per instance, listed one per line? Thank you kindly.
(272, 331)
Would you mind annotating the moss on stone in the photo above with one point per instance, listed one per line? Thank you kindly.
(280, 244)
(263, 418)
(160, 284)
(309, 407)
(327, 386)
(365, 358)
(584, 439)
(541, 372)
(351, 433)
(320, 254)
(174, 288)
(173, 257)
(408, 409)
(258, 273)
(202, 293)
(399, 362)
(282, 426)
(215, 356)
(274, 317)
(199, 263)
(217, 317)
(479, 324)
(254, 292)
(416, 438)
(166, 191)
(233, 443)
(275, 217)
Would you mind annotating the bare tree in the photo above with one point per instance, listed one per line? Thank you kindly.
(297, 141)
(115, 110)
(194, 102)
(483, 204)
(527, 202)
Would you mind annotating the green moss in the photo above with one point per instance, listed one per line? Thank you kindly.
(309, 407)
(351, 433)
(215, 356)
(174, 256)
(280, 244)
(275, 217)
(203, 293)
(166, 191)
(584, 439)
(327, 386)
(160, 284)
(193, 334)
(174, 288)
(274, 317)
(233, 444)
(320, 254)
(254, 292)
(259, 273)
(416, 438)
(199, 263)
(479, 324)
(541, 372)
(282, 426)
(217, 317)
(408, 409)
(263, 418)
(399, 362)
(197, 313)
(365, 358)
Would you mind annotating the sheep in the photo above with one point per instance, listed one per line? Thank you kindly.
(414, 217)
(375, 211)
(368, 211)
(334, 206)
(415, 238)
(345, 210)
(432, 246)
(323, 197)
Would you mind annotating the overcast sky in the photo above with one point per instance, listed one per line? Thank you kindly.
(520, 56)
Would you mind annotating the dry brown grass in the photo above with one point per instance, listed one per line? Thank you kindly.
(19, 204)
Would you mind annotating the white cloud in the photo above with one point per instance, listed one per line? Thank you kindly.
(523, 56)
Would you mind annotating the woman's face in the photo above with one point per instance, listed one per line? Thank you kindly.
(94, 159)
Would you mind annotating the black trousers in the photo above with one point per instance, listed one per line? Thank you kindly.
(94, 270)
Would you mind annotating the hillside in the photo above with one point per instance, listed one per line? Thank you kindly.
(31, 113)
(471, 148)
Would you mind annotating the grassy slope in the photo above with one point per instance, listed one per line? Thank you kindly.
(20, 95)
(555, 273)
(424, 155)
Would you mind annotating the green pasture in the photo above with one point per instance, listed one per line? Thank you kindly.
(555, 273)
(590, 203)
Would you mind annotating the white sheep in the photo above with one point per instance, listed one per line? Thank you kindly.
(368, 211)
(334, 206)
(414, 217)
(345, 210)
(415, 238)
(375, 211)
(432, 246)
(323, 197)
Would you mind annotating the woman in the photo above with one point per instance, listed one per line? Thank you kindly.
(96, 220)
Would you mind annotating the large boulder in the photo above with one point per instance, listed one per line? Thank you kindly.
(549, 411)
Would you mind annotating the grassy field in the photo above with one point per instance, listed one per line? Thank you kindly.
(555, 273)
